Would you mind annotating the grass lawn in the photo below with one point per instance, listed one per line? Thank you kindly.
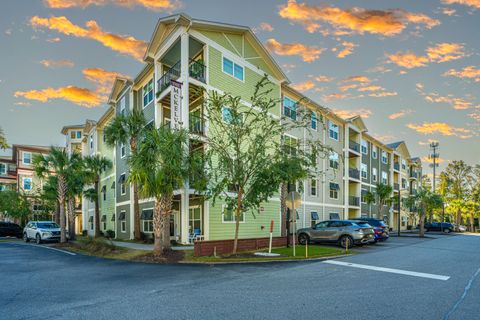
(314, 251)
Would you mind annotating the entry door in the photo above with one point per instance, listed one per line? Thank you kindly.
(174, 225)
(195, 219)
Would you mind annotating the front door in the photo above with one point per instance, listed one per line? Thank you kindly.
(174, 225)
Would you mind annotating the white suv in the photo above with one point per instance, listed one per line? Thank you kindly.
(41, 231)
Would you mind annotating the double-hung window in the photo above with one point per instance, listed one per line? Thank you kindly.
(123, 184)
(91, 142)
(27, 184)
(332, 130)
(362, 196)
(233, 69)
(27, 158)
(3, 168)
(404, 164)
(384, 177)
(289, 108)
(374, 174)
(147, 93)
(374, 152)
(122, 106)
(123, 150)
(290, 145)
(313, 121)
(333, 160)
(364, 146)
(364, 169)
(228, 215)
(384, 157)
(313, 187)
(334, 188)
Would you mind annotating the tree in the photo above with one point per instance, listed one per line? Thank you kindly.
(95, 165)
(160, 166)
(369, 198)
(128, 130)
(15, 205)
(76, 181)
(58, 163)
(3, 141)
(383, 193)
(459, 174)
(425, 200)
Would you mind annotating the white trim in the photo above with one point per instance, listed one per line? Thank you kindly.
(122, 184)
(229, 222)
(23, 158)
(230, 42)
(233, 69)
(123, 203)
(108, 177)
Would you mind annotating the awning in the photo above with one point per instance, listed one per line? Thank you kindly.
(113, 217)
(314, 216)
(104, 218)
(121, 216)
(90, 219)
(334, 186)
(147, 214)
(334, 216)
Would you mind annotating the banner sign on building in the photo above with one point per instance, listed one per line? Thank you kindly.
(176, 103)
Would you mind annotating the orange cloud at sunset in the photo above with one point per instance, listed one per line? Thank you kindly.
(347, 49)
(400, 114)
(156, 5)
(470, 3)
(307, 53)
(304, 86)
(371, 88)
(383, 94)
(102, 79)
(441, 128)
(345, 114)
(123, 44)
(441, 52)
(57, 63)
(470, 72)
(389, 22)
(80, 96)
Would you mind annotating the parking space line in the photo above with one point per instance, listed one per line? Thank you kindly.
(389, 270)
(59, 250)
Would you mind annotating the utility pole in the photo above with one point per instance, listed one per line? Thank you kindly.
(434, 156)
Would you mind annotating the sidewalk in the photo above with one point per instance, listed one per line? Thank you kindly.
(146, 247)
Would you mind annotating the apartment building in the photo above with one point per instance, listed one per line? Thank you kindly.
(186, 54)
(8, 173)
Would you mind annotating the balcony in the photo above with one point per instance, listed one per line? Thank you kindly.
(354, 201)
(413, 175)
(396, 166)
(354, 173)
(354, 146)
(196, 124)
(196, 70)
(396, 186)
(396, 207)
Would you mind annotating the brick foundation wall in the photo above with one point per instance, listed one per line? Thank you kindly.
(207, 248)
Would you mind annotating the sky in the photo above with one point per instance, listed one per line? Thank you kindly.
(410, 68)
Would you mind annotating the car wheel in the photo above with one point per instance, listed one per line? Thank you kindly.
(346, 240)
(447, 230)
(25, 237)
(38, 239)
(303, 238)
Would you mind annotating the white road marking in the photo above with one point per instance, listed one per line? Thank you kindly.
(390, 270)
(60, 250)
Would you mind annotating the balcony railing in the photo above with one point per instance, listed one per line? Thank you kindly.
(196, 124)
(197, 70)
(396, 186)
(354, 146)
(171, 74)
(354, 173)
(413, 175)
(354, 201)
(396, 166)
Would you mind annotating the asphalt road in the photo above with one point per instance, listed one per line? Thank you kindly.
(40, 283)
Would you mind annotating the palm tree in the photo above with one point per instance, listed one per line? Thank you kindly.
(59, 163)
(3, 141)
(76, 182)
(123, 130)
(459, 174)
(369, 198)
(426, 201)
(94, 167)
(383, 193)
(161, 165)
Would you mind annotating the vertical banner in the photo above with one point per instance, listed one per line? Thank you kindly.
(176, 103)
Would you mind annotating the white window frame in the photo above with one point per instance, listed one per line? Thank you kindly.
(313, 184)
(148, 223)
(4, 166)
(313, 120)
(362, 198)
(123, 186)
(224, 206)
(23, 157)
(233, 69)
(335, 129)
(364, 170)
(333, 154)
(123, 223)
(90, 139)
(364, 146)
(374, 174)
(374, 152)
(292, 138)
(384, 157)
(337, 191)
(145, 93)
(384, 177)
(291, 111)
(311, 220)
(123, 105)
(123, 150)
(23, 183)
(404, 164)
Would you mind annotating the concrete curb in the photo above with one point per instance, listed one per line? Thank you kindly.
(264, 261)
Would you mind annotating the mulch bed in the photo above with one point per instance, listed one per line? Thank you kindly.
(170, 256)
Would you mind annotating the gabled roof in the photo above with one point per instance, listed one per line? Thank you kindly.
(401, 147)
(395, 145)
(75, 126)
(164, 27)
(117, 87)
(358, 122)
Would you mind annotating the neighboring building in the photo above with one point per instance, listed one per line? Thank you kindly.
(8, 173)
(228, 58)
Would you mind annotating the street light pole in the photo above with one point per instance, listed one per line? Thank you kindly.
(399, 199)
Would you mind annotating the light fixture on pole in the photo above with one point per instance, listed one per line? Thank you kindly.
(434, 156)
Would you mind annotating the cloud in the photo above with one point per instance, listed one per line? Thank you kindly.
(102, 79)
(371, 88)
(81, 96)
(57, 63)
(347, 49)
(304, 86)
(456, 103)
(361, 79)
(156, 5)
(383, 94)
(343, 113)
(426, 143)
(264, 26)
(400, 114)
(441, 128)
(384, 137)
(448, 11)
(334, 96)
(53, 40)
(364, 84)
(356, 20)
(307, 53)
(22, 104)
(126, 45)
(430, 160)
(323, 78)
(442, 52)
(470, 72)
(471, 3)
(8, 32)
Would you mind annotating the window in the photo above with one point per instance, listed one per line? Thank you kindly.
(75, 134)
(123, 150)
(314, 218)
(384, 157)
(333, 160)
(227, 116)
(374, 174)
(334, 216)
(332, 130)
(91, 142)
(313, 187)
(228, 215)
(374, 152)
(404, 183)
(290, 144)
(27, 183)
(233, 69)
(104, 192)
(334, 188)
(147, 93)
(364, 146)
(148, 226)
(123, 185)
(404, 164)
(3, 168)
(289, 108)
(104, 137)
(122, 106)
(27, 158)
(104, 225)
(384, 177)
(123, 226)
(313, 121)
(364, 170)
(2, 187)
(362, 197)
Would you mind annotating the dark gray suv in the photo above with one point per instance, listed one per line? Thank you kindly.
(343, 232)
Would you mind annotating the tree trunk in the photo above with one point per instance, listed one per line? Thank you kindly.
(472, 221)
(283, 208)
(237, 220)
(157, 228)
(459, 216)
(379, 211)
(97, 213)
(62, 190)
(71, 217)
(422, 222)
(57, 212)
(166, 209)
(136, 213)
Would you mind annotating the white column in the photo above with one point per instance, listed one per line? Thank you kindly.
(346, 138)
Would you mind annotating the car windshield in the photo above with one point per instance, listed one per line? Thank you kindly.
(362, 224)
(47, 225)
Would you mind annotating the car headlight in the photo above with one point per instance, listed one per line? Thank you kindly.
(46, 234)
